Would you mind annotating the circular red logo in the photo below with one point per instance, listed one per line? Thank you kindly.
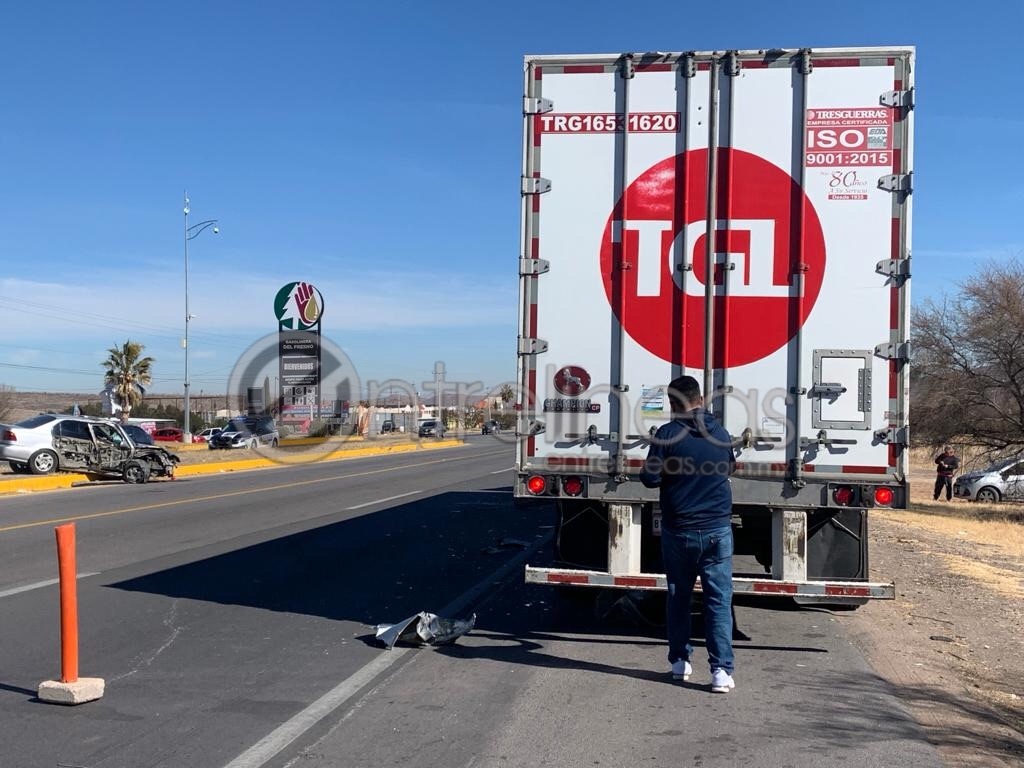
(572, 380)
(659, 297)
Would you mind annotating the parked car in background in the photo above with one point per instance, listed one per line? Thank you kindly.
(53, 442)
(168, 435)
(1003, 480)
(431, 428)
(205, 435)
(246, 432)
(491, 427)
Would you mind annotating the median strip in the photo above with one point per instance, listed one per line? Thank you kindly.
(21, 484)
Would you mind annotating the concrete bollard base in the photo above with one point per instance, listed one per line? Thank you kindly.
(79, 692)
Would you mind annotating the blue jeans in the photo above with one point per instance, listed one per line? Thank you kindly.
(708, 554)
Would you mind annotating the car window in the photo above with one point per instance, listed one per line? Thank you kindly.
(36, 421)
(1014, 470)
(77, 430)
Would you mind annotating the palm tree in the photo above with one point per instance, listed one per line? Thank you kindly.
(127, 374)
(507, 394)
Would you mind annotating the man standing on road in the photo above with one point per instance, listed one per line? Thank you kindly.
(690, 460)
(946, 465)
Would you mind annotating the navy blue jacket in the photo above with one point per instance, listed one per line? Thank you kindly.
(690, 460)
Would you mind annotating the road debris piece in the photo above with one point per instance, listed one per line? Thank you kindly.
(426, 628)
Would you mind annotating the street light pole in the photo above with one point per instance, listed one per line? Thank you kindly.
(190, 233)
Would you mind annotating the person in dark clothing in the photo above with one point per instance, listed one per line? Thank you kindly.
(689, 461)
(946, 465)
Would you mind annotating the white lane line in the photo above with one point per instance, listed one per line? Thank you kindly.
(381, 501)
(40, 584)
(260, 753)
(500, 471)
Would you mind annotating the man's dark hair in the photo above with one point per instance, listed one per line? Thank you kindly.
(683, 393)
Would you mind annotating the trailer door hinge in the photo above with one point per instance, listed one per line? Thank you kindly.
(898, 98)
(628, 70)
(536, 105)
(891, 351)
(532, 346)
(897, 269)
(893, 436)
(897, 182)
(531, 427)
(732, 64)
(688, 65)
(533, 266)
(535, 186)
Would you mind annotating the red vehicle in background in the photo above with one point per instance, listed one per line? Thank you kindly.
(168, 435)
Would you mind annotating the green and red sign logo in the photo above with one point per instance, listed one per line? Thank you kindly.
(299, 307)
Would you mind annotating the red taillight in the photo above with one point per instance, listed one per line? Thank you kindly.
(536, 485)
(573, 486)
(884, 496)
(843, 495)
(9, 436)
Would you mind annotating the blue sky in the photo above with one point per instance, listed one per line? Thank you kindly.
(373, 149)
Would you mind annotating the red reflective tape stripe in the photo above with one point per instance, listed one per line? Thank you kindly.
(863, 469)
(894, 241)
(894, 308)
(584, 69)
(703, 66)
(894, 379)
(535, 247)
(890, 62)
(897, 85)
(533, 327)
(809, 468)
(537, 132)
(756, 65)
(768, 587)
(568, 578)
(635, 581)
(897, 160)
(635, 462)
(892, 455)
(835, 62)
(538, 73)
(848, 591)
(653, 67)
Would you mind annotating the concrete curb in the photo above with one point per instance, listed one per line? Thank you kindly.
(20, 484)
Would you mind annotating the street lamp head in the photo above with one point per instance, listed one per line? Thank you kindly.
(216, 230)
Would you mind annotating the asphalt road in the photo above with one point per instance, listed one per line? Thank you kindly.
(231, 617)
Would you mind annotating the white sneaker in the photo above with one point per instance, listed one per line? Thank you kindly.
(681, 670)
(721, 681)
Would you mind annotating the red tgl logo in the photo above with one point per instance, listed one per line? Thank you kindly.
(760, 212)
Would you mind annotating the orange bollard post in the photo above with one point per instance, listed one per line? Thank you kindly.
(70, 689)
(68, 573)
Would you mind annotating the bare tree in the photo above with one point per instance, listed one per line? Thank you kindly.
(6, 403)
(968, 362)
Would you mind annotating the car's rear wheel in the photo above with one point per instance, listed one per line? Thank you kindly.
(18, 467)
(42, 462)
(135, 472)
(988, 494)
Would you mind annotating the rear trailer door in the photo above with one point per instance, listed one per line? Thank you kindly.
(741, 218)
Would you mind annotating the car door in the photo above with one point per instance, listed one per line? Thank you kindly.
(73, 443)
(1013, 481)
(111, 449)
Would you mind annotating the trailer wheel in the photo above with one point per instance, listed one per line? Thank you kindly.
(135, 472)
